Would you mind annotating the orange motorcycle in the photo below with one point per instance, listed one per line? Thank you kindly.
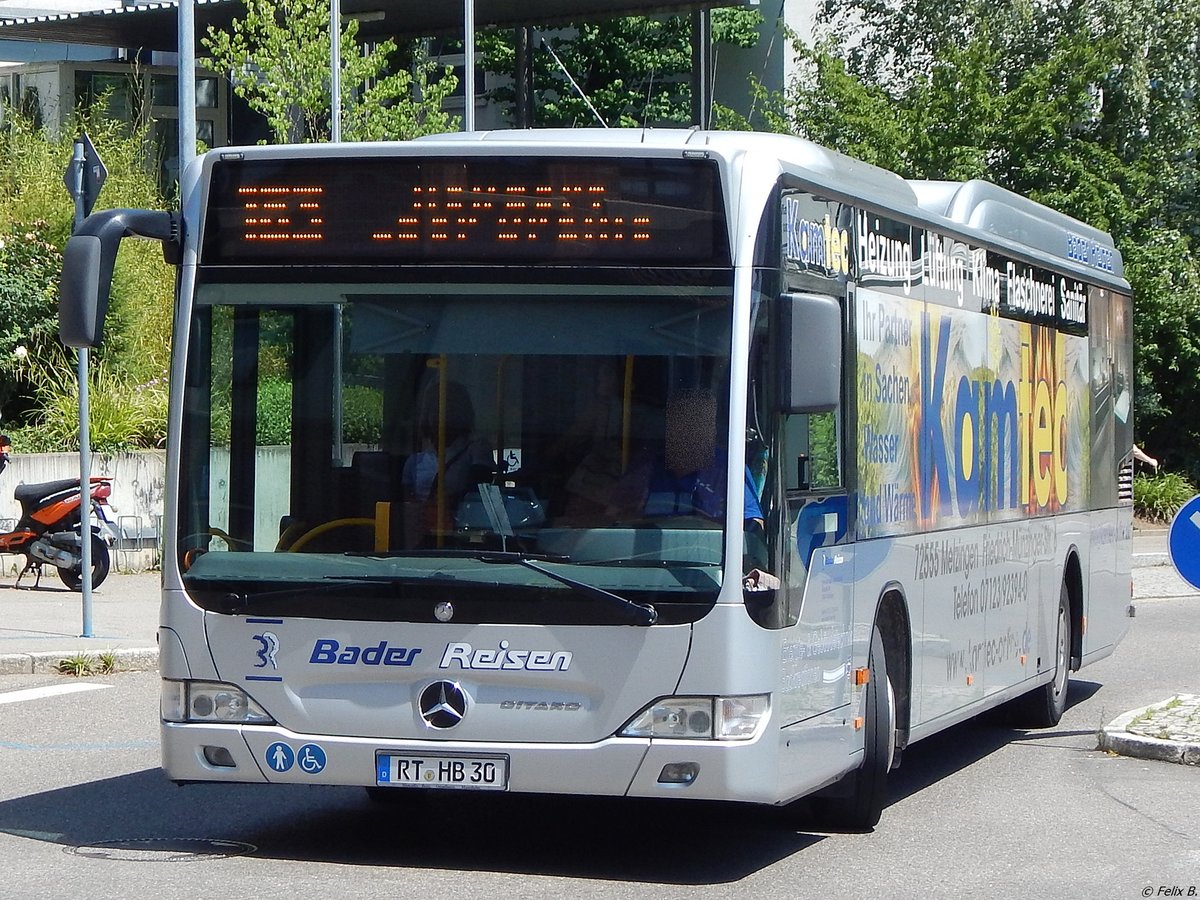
(49, 530)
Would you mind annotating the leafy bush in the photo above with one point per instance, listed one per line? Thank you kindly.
(36, 216)
(28, 439)
(274, 424)
(1158, 497)
(122, 414)
(30, 266)
(362, 414)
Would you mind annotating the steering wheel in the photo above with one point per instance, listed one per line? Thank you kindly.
(318, 530)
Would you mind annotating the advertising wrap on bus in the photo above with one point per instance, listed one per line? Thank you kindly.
(975, 403)
(966, 418)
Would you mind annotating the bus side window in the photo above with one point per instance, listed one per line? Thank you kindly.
(811, 452)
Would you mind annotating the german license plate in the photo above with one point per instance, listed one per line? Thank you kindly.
(479, 773)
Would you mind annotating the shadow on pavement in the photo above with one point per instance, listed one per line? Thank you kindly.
(572, 837)
(941, 755)
(672, 842)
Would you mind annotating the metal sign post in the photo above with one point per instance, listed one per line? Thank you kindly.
(76, 179)
(84, 177)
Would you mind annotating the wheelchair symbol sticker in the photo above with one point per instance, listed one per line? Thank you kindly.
(280, 757)
(311, 759)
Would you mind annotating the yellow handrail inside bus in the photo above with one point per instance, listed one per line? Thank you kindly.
(626, 413)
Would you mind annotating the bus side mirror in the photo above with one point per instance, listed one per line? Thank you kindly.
(88, 263)
(811, 369)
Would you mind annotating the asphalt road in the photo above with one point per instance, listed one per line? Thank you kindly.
(980, 811)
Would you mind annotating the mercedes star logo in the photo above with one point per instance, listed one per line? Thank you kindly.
(443, 704)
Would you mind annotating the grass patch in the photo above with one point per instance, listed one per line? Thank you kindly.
(1158, 497)
(1152, 711)
(78, 665)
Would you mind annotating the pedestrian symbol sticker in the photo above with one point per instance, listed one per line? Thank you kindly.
(311, 759)
(280, 756)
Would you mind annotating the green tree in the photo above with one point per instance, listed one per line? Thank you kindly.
(1088, 106)
(36, 216)
(278, 58)
(29, 270)
(634, 71)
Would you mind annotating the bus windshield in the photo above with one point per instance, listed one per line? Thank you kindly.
(517, 450)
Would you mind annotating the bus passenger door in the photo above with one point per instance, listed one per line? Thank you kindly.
(817, 572)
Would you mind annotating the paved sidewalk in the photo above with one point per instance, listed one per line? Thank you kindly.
(41, 627)
(1169, 731)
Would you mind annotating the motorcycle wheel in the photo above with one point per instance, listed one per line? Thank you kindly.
(101, 562)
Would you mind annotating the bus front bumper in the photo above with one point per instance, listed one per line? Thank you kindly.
(616, 766)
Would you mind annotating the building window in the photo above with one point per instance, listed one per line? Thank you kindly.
(120, 93)
(449, 53)
(164, 91)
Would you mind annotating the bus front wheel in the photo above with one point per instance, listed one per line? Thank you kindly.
(857, 803)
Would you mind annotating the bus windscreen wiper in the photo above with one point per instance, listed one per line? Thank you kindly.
(625, 563)
(642, 614)
(454, 553)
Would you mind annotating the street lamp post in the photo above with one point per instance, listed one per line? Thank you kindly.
(187, 87)
(469, 65)
(335, 70)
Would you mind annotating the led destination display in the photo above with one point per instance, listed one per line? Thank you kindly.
(502, 210)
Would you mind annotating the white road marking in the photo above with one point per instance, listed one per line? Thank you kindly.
(52, 690)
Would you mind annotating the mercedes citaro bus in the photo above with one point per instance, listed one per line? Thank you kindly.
(627, 462)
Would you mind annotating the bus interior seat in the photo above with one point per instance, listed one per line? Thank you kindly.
(375, 477)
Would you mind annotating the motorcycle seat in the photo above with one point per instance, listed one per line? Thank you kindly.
(26, 494)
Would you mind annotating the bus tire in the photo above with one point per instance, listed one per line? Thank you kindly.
(1043, 707)
(858, 803)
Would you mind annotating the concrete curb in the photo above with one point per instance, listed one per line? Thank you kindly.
(1115, 738)
(1145, 560)
(143, 659)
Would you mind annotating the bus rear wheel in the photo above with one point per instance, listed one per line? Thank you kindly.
(1044, 706)
(857, 803)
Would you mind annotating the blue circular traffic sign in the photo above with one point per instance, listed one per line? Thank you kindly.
(1183, 542)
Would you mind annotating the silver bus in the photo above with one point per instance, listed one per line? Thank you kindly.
(461, 429)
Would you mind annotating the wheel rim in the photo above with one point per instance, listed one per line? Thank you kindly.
(890, 721)
(1060, 672)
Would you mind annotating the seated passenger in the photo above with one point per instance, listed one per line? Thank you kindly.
(593, 445)
(433, 486)
(691, 478)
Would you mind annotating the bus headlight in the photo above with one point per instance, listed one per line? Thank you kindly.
(701, 718)
(210, 701)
